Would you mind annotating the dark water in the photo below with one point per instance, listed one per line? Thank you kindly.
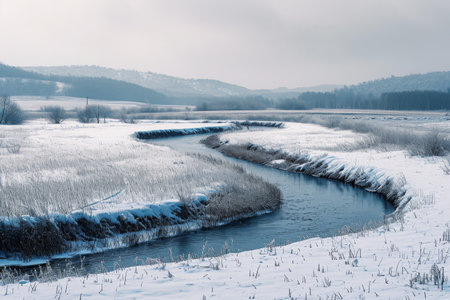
(311, 207)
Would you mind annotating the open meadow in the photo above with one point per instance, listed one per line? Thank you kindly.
(70, 183)
(279, 150)
(405, 258)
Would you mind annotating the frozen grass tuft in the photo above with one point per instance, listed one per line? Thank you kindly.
(433, 143)
(446, 167)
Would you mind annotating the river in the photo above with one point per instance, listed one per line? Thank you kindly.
(310, 207)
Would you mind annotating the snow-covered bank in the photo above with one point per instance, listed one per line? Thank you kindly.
(391, 187)
(81, 233)
(162, 133)
(89, 187)
(395, 261)
(259, 123)
(89, 232)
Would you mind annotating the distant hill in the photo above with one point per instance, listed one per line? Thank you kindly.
(17, 81)
(168, 85)
(120, 84)
(434, 81)
(175, 86)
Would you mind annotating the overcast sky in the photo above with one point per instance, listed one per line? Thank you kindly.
(257, 44)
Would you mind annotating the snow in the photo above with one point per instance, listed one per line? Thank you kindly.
(378, 263)
(105, 157)
(35, 103)
(75, 177)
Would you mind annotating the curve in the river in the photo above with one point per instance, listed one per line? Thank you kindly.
(311, 207)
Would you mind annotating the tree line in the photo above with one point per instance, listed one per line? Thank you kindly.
(235, 103)
(345, 98)
(340, 99)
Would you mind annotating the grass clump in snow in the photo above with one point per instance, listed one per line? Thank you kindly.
(246, 196)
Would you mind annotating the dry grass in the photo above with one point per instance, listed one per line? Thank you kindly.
(59, 175)
(432, 142)
(59, 179)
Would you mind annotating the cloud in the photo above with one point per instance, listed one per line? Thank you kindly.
(259, 44)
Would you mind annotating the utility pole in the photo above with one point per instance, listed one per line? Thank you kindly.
(87, 101)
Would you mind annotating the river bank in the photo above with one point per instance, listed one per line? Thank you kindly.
(399, 260)
(84, 188)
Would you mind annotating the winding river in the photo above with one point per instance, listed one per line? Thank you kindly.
(310, 207)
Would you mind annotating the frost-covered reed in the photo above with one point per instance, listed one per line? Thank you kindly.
(58, 170)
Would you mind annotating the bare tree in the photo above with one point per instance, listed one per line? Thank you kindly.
(10, 112)
(102, 111)
(86, 115)
(94, 113)
(56, 114)
(125, 117)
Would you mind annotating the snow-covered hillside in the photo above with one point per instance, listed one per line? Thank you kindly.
(168, 85)
(176, 86)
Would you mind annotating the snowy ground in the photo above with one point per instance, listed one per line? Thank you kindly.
(35, 103)
(84, 163)
(394, 261)
(83, 188)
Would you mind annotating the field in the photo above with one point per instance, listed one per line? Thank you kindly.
(34, 104)
(405, 258)
(109, 183)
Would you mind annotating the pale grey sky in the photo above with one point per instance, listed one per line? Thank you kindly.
(254, 43)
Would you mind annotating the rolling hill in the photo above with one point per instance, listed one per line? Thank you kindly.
(17, 81)
(176, 86)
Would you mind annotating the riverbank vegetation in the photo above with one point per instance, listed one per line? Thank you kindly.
(87, 182)
(389, 129)
(403, 259)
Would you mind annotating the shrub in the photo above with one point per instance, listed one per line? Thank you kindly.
(432, 143)
(126, 118)
(86, 115)
(10, 112)
(56, 114)
(101, 112)
(13, 148)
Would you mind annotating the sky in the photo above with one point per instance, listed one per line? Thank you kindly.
(253, 43)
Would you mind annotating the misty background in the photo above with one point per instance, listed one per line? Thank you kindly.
(255, 44)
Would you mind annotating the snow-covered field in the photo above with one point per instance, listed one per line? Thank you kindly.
(35, 103)
(400, 260)
(89, 162)
(87, 187)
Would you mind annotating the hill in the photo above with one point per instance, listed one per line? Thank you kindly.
(176, 86)
(434, 81)
(17, 81)
(169, 85)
